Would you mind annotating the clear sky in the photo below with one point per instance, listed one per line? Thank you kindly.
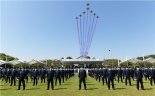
(46, 29)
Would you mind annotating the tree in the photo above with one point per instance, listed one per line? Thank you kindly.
(111, 62)
(145, 57)
(147, 64)
(88, 57)
(139, 64)
(144, 64)
(127, 64)
(4, 57)
(68, 57)
(67, 65)
(6, 65)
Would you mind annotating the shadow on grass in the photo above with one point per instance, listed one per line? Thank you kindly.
(131, 84)
(148, 88)
(90, 84)
(119, 88)
(66, 84)
(5, 89)
(60, 88)
(32, 88)
(91, 88)
(42, 84)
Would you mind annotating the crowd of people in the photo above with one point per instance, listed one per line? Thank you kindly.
(24, 75)
(108, 76)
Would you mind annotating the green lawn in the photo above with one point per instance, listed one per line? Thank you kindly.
(70, 88)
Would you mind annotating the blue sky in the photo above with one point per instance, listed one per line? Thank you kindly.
(47, 29)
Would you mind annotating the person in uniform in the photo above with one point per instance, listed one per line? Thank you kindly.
(127, 76)
(120, 73)
(63, 75)
(13, 76)
(8, 74)
(35, 77)
(152, 76)
(50, 78)
(139, 77)
(57, 77)
(110, 78)
(21, 77)
(82, 78)
(43, 73)
(104, 75)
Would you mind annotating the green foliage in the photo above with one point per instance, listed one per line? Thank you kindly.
(67, 65)
(140, 58)
(95, 65)
(6, 65)
(37, 65)
(111, 63)
(127, 64)
(4, 56)
(22, 65)
(144, 64)
(68, 57)
(153, 56)
(52, 63)
(139, 64)
(145, 57)
(18, 66)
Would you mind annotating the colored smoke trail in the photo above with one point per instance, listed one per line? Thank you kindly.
(86, 26)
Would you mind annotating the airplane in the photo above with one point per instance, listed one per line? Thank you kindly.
(87, 4)
(84, 12)
(88, 8)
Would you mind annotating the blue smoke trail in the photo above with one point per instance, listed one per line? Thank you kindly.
(93, 32)
(86, 32)
(78, 32)
(81, 35)
(89, 42)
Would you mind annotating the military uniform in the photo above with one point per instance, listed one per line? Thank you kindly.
(50, 78)
(13, 76)
(110, 77)
(82, 78)
(139, 77)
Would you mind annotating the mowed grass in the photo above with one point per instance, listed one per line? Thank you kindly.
(70, 88)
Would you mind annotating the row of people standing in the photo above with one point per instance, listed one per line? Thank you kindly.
(108, 75)
(11, 75)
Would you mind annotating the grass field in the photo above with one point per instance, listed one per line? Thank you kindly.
(70, 88)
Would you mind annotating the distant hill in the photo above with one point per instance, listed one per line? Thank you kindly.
(8, 57)
(147, 56)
